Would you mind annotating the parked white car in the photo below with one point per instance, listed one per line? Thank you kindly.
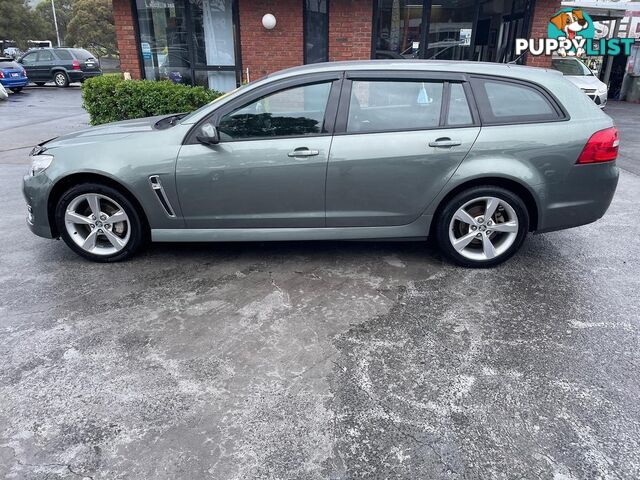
(580, 75)
(3, 93)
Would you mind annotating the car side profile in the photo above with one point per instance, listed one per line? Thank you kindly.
(60, 65)
(476, 155)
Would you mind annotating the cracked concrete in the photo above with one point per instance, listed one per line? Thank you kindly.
(322, 360)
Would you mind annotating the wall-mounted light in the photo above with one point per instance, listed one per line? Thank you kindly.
(269, 21)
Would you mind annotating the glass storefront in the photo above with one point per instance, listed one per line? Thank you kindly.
(189, 41)
(449, 29)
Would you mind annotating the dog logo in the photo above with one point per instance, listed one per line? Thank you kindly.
(574, 25)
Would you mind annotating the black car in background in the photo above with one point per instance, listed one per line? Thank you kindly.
(60, 65)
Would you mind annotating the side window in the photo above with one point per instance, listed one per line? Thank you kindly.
(29, 59)
(394, 105)
(295, 111)
(45, 56)
(459, 112)
(63, 54)
(506, 102)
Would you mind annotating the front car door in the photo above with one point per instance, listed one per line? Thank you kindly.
(399, 138)
(269, 169)
(29, 62)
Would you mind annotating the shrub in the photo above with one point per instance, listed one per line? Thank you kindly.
(110, 98)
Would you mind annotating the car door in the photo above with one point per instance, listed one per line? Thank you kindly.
(44, 65)
(399, 138)
(29, 62)
(269, 168)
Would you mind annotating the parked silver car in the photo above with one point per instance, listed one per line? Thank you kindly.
(577, 73)
(476, 155)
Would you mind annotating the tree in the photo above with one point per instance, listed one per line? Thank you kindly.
(91, 26)
(18, 23)
(64, 11)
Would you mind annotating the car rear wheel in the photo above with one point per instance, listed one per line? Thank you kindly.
(99, 223)
(61, 79)
(482, 226)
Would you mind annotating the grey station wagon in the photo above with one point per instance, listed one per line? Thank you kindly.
(476, 155)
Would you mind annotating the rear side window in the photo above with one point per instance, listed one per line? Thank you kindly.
(45, 56)
(394, 105)
(81, 54)
(459, 113)
(63, 54)
(510, 102)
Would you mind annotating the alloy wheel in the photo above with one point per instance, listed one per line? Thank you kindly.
(60, 79)
(483, 228)
(97, 224)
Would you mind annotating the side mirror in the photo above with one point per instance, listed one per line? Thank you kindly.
(208, 135)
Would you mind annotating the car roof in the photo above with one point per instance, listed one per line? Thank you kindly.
(487, 68)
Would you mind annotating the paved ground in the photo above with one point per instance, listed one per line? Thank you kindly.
(322, 360)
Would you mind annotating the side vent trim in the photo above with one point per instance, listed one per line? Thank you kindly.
(156, 186)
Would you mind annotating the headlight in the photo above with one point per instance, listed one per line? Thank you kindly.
(602, 89)
(39, 163)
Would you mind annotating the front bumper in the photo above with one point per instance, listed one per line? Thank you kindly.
(36, 191)
(581, 198)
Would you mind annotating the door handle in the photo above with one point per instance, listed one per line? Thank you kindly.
(445, 142)
(303, 152)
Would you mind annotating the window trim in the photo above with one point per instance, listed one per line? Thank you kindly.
(405, 76)
(484, 107)
(335, 78)
(305, 21)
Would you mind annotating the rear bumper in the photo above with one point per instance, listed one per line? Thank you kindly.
(582, 198)
(78, 75)
(14, 82)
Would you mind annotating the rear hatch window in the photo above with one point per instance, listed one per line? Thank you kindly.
(9, 64)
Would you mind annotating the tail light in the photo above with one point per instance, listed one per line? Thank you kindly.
(24, 72)
(1, 75)
(76, 65)
(601, 147)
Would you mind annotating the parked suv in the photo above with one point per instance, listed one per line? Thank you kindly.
(477, 155)
(60, 65)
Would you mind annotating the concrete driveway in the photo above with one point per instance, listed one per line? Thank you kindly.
(321, 360)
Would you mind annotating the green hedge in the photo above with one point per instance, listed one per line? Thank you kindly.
(110, 98)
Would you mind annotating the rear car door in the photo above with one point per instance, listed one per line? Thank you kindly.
(399, 138)
(269, 169)
(45, 63)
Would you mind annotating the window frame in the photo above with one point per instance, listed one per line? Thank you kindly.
(447, 78)
(335, 78)
(484, 106)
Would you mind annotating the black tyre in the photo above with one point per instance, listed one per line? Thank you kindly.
(99, 223)
(61, 79)
(482, 227)
(16, 89)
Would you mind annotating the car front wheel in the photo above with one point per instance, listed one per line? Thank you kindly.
(61, 79)
(482, 226)
(99, 223)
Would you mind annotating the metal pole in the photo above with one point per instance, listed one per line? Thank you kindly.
(55, 20)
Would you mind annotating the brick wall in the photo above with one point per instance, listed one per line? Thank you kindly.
(266, 51)
(350, 23)
(126, 37)
(543, 10)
